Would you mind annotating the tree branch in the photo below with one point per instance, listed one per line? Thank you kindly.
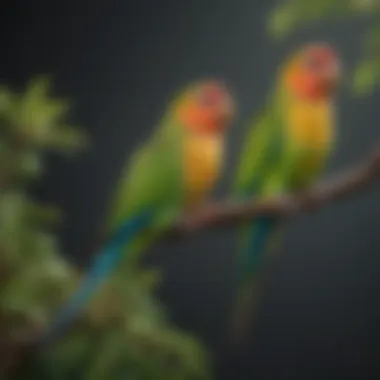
(340, 186)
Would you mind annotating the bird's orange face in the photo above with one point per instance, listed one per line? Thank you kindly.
(208, 108)
(314, 72)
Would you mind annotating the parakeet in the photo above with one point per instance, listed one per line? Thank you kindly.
(284, 151)
(174, 170)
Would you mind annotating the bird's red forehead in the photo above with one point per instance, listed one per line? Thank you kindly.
(214, 91)
(323, 53)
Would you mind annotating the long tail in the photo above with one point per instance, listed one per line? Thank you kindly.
(257, 237)
(105, 262)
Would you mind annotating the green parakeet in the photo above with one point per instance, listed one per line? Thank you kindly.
(175, 169)
(284, 151)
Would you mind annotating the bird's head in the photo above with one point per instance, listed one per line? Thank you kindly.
(313, 72)
(205, 107)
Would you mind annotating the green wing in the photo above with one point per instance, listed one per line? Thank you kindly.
(270, 162)
(261, 153)
(152, 179)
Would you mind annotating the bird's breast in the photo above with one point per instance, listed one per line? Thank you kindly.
(202, 165)
(311, 131)
(310, 125)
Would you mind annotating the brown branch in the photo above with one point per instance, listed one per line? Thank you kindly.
(225, 214)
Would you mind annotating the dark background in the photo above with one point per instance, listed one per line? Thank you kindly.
(120, 62)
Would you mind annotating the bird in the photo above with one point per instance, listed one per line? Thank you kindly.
(285, 150)
(173, 171)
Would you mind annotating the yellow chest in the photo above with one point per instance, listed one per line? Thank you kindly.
(310, 125)
(203, 156)
(310, 128)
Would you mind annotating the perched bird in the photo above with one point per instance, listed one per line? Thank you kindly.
(284, 151)
(174, 170)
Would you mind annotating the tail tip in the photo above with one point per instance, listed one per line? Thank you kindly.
(239, 331)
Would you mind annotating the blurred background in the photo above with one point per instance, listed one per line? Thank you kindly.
(119, 62)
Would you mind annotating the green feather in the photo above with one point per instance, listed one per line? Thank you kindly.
(269, 164)
(153, 178)
(263, 147)
(151, 181)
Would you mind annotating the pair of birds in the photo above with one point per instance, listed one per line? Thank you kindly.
(177, 167)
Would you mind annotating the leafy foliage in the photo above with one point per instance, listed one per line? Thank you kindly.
(291, 15)
(124, 332)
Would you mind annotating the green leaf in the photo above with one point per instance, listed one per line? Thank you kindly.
(6, 98)
(69, 353)
(38, 87)
(365, 6)
(371, 40)
(150, 279)
(281, 22)
(31, 164)
(67, 139)
(365, 77)
(292, 14)
(45, 215)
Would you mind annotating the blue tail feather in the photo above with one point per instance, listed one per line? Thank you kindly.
(257, 237)
(105, 262)
(252, 257)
